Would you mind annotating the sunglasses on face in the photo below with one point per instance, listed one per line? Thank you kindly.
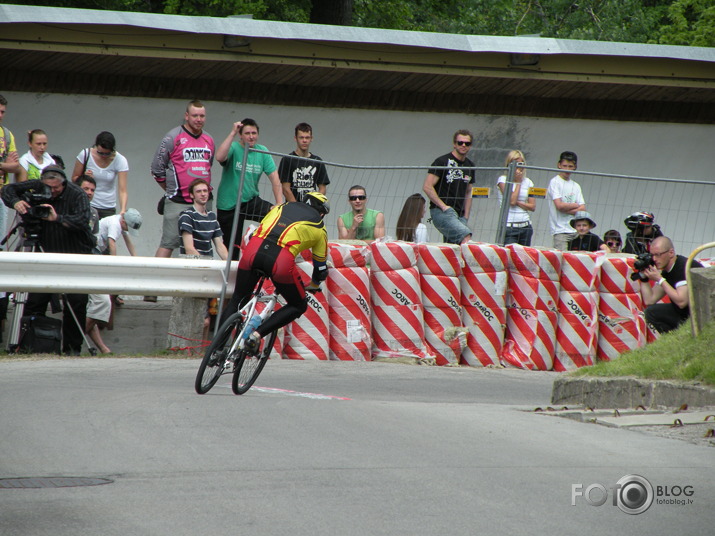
(357, 197)
(613, 244)
(465, 143)
(102, 153)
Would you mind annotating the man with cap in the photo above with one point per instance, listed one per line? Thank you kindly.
(65, 228)
(585, 240)
(112, 227)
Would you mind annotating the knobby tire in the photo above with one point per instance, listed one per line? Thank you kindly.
(214, 360)
(248, 368)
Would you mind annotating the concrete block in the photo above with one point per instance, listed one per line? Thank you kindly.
(703, 306)
(622, 393)
(186, 324)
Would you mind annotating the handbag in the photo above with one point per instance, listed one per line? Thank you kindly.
(160, 205)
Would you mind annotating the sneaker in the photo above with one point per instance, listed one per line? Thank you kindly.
(253, 343)
(150, 299)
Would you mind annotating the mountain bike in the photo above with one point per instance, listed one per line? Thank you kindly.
(226, 352)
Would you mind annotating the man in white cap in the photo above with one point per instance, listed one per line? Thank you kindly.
(112, 227)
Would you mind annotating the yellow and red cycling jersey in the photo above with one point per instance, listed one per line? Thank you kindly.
(298, 227)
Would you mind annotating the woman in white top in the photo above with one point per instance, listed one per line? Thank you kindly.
(109, 169)
(36, 159)
(518, 227)
(409, 225)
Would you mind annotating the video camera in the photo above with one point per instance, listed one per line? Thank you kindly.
(643, 261)
(37, 196)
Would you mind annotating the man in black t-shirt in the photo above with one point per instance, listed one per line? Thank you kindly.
(302, 171)
(449, 190)
(669, 276)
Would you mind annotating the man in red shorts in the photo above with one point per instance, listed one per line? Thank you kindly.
(284, 232)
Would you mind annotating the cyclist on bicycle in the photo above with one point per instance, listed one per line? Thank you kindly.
(286, 230)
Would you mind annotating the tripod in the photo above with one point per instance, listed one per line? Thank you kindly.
(29, 241)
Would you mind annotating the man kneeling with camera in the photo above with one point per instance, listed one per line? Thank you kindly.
(55, 215)
(668, 271)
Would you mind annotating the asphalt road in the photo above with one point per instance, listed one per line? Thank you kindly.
(345, 449)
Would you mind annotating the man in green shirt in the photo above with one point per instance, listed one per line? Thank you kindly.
(361, 223)
(230, 156)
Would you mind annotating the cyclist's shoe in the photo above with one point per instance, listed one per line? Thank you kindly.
(253, 343)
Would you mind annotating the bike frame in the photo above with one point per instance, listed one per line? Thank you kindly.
(249, 310)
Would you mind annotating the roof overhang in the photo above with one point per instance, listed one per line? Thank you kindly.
(238, 59)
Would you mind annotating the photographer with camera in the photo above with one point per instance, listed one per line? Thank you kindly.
(667, 270)
(55, 215)
(642, 231)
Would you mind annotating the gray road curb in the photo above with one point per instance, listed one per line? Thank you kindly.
(630, 393)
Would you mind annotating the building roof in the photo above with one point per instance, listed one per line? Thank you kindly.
(239, 59)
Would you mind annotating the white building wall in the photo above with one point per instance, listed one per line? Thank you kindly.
(368, 137)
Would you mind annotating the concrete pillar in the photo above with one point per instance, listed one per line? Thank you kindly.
(186, 323)
(703, 306)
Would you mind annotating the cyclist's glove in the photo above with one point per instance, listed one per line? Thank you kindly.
(320, 272)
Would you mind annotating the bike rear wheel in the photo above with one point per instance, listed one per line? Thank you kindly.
(214, 361)
(248, 367)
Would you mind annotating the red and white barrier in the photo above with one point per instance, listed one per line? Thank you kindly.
(616, 273)
(581, 271)
(484, 286)
(387, 256)
(538, 263)
(397, 311)
(620, 325)
(308, 336)
(349, 253)
(439, 259)
(349, 313)
(577, 330)
(485, 335)
(531, 293)
(530, 339)
(441, 296)
(480, 257)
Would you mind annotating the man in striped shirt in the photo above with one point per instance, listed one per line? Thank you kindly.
(198, 227)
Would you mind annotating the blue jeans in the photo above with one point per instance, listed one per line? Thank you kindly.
(453, 227)
(519, 235)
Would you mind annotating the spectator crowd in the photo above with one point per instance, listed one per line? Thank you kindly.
(88, 209)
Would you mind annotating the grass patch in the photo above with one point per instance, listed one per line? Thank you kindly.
(674, 356)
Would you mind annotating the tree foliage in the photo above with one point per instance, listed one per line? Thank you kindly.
(672, 22)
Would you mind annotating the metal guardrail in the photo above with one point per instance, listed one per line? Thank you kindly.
(109, 274)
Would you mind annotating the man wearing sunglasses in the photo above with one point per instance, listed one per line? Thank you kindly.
(668, 273)
(449, 192)
(361, 223)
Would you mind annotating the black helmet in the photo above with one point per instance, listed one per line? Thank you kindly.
(318, 201)
(639, 218)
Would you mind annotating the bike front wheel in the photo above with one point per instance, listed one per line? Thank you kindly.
(248, 367)
(217, 354)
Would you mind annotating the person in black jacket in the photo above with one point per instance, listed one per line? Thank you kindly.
(585, 240)
(59, 225)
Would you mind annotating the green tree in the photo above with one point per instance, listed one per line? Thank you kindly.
(691, 22)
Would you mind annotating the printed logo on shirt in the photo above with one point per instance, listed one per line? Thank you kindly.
(196, 154)
(455, 174)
